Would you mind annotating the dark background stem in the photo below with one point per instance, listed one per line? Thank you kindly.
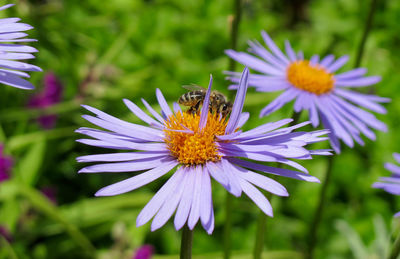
(235, 31)
(186, 243)
(367, 28)
(228, 226)
(312, 239)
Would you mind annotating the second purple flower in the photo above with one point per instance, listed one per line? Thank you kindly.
(315, 87)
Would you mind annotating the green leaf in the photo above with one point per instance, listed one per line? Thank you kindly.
(8, 252)
(28, 168)
(43, 205)
(10, 213)
(20, 141)
(359, 250)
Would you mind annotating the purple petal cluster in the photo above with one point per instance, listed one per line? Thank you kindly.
(6, 163)
(51, 94)
(187, 192)
(144, 252)
(338, 110)
(5, 233)
(12, 56)
(50, 193)
(391, 184)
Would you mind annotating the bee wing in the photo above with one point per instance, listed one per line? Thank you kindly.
(193, 87)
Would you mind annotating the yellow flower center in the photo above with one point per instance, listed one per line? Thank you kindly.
(197, 147)
(311, 78)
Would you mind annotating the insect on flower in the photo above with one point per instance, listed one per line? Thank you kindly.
(193, 148)
(194, 99)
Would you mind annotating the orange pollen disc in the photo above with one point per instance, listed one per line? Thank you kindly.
(197, 147)
(311, 78)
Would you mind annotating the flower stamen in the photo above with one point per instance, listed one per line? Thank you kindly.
(311, 78)
(197, 147)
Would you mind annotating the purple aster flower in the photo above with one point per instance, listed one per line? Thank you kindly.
(315, 87)
(50, 193)
(5, 233)
(51, 94)
(11, 69)
(196, 148)
(6, 163)
(144, 252)
(391, 184)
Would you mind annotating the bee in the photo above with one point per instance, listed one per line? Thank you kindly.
(195, 98)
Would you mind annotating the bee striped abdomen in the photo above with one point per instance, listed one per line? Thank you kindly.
(191, 98)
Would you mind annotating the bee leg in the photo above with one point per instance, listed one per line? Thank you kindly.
(194, 109)
(190, 110)
(211, 108)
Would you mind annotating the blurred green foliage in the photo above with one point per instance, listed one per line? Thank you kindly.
(104, 51)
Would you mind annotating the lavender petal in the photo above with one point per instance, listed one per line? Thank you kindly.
(256, 196)
(118, 157)
(140, 113)
(205, 198)
(138, 165)
(137, 181)
(163, 103)
(263, 182)
(238, 104)
(205, 108)
(254, 63)
(185, 203)
(153, 206)
(338, 64)
(172, 201)
(327, 60)
(354, 73)
(270, 43)
(274, 170)
(152, 111)
(195, 209)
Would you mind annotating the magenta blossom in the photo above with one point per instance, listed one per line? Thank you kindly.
(50, 193)
(5, 233)
(50, 95)
(5, 165)
(144, 252)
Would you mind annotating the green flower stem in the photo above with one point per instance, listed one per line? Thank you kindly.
(262, 219)
(395, 249)
(228, 226)
(261, 226)
(186, 243)
(4, 244)
(312, 238)
(367, 28)
(295, 117)
(234, 35)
